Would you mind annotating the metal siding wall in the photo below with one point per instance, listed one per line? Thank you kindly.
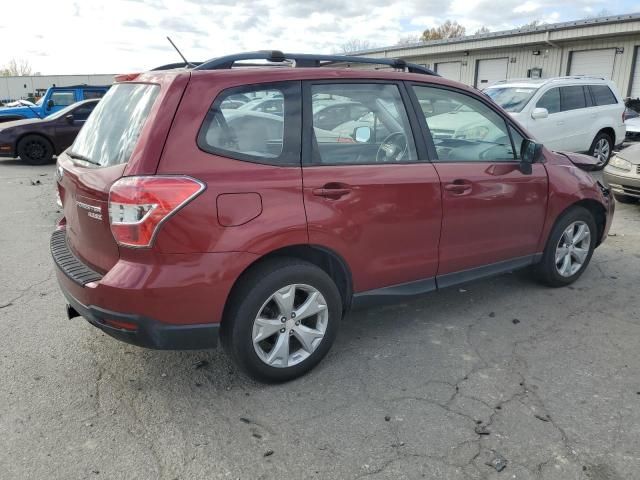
(553, 61)
(13, 87)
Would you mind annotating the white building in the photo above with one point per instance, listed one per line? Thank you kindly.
(607, 47)
(14, 88)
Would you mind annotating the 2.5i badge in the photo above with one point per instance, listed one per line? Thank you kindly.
(92, 210)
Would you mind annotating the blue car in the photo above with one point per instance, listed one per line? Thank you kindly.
(55, 99)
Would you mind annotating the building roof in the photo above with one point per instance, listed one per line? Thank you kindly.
(551, 27)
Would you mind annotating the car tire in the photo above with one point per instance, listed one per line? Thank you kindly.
(602, 149)
(253, 331)
(624, 198)
(35, 150)
(566, 254)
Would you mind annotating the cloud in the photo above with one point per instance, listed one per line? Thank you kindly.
(129, 35)
(179, 25)
(135, 23)
(527, 7)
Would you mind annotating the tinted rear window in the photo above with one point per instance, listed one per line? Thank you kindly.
(111, 132)
(572, 98)
(602, 95)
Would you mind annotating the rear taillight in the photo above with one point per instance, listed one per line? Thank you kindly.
(139, 205)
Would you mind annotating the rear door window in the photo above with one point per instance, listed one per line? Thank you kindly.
(572, 98)
(360, 123)
(89, 94)
(602, 95)
(264, 130)
(110, 134)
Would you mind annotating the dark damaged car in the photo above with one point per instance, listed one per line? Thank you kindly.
(37, 140)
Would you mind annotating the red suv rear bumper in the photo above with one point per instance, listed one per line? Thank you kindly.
(172, 302)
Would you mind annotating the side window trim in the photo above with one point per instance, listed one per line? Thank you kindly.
(426, 133)
(309, 148)
(290, 155)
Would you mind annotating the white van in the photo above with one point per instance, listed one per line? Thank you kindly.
(573, 114)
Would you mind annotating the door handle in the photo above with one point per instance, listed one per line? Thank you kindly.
(332, 191)
(561, 122)
(458, 187)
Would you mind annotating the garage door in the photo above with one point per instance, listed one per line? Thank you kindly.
(593, 62)
(450, 70)
(635, 77)
(491, 71)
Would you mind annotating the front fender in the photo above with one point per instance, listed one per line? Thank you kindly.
(568, 185)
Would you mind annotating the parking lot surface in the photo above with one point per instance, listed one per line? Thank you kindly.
(499, 374)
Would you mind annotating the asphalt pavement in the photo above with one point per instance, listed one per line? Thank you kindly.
(502, 374)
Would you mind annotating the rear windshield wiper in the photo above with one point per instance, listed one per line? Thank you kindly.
(77, 156)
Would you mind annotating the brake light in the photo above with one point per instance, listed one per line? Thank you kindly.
(126, 77)
(139, 205)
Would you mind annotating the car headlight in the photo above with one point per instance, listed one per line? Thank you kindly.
(620, 163)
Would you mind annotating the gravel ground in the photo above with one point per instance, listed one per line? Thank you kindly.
(449, 386)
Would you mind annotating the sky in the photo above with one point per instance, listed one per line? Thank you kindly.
(119, 36)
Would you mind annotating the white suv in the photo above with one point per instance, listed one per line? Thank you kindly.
(573, 114)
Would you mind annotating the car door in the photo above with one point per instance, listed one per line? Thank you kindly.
(548, 130)
(370, 196)
(575, 118)
(493, 213)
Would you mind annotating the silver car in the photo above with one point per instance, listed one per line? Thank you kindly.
(622, 174)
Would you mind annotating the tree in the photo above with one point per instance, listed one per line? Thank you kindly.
(601, 13)
(16, 68)
(355, 45)
(448, 29)
(409, 39)
(482, 30)
(533, 24)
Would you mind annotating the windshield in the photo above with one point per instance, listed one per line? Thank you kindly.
(111, 131)
(512, 99)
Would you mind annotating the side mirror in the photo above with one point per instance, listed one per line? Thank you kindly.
(50, 104)
(363, 134)
(530, 153)
(69, 118)
(539, 113)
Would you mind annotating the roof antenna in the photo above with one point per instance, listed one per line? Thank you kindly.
(186, 62)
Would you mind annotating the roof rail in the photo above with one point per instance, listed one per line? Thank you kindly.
(578, 77)
(304, 60)
(550, 79)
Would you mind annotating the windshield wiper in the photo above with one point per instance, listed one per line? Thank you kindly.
(77, 156)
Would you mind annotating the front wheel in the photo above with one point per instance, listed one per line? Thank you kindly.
(569, 248)
(282, 320)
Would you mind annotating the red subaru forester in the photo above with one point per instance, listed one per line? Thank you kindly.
(259, 203)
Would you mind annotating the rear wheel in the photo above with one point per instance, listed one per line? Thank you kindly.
(569, 248)
(624, 198)
(282, 320)
(601, 149)
(35, 150)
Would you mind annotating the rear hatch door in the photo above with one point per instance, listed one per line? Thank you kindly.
(124, 135)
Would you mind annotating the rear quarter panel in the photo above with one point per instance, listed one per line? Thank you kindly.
(197, 228)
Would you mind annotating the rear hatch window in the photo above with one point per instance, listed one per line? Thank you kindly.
(96, 159)
(111, 132)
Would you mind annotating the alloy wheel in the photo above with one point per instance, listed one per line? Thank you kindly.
(290, 325)
(35, 150)
(602, 150)
(573, 248)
